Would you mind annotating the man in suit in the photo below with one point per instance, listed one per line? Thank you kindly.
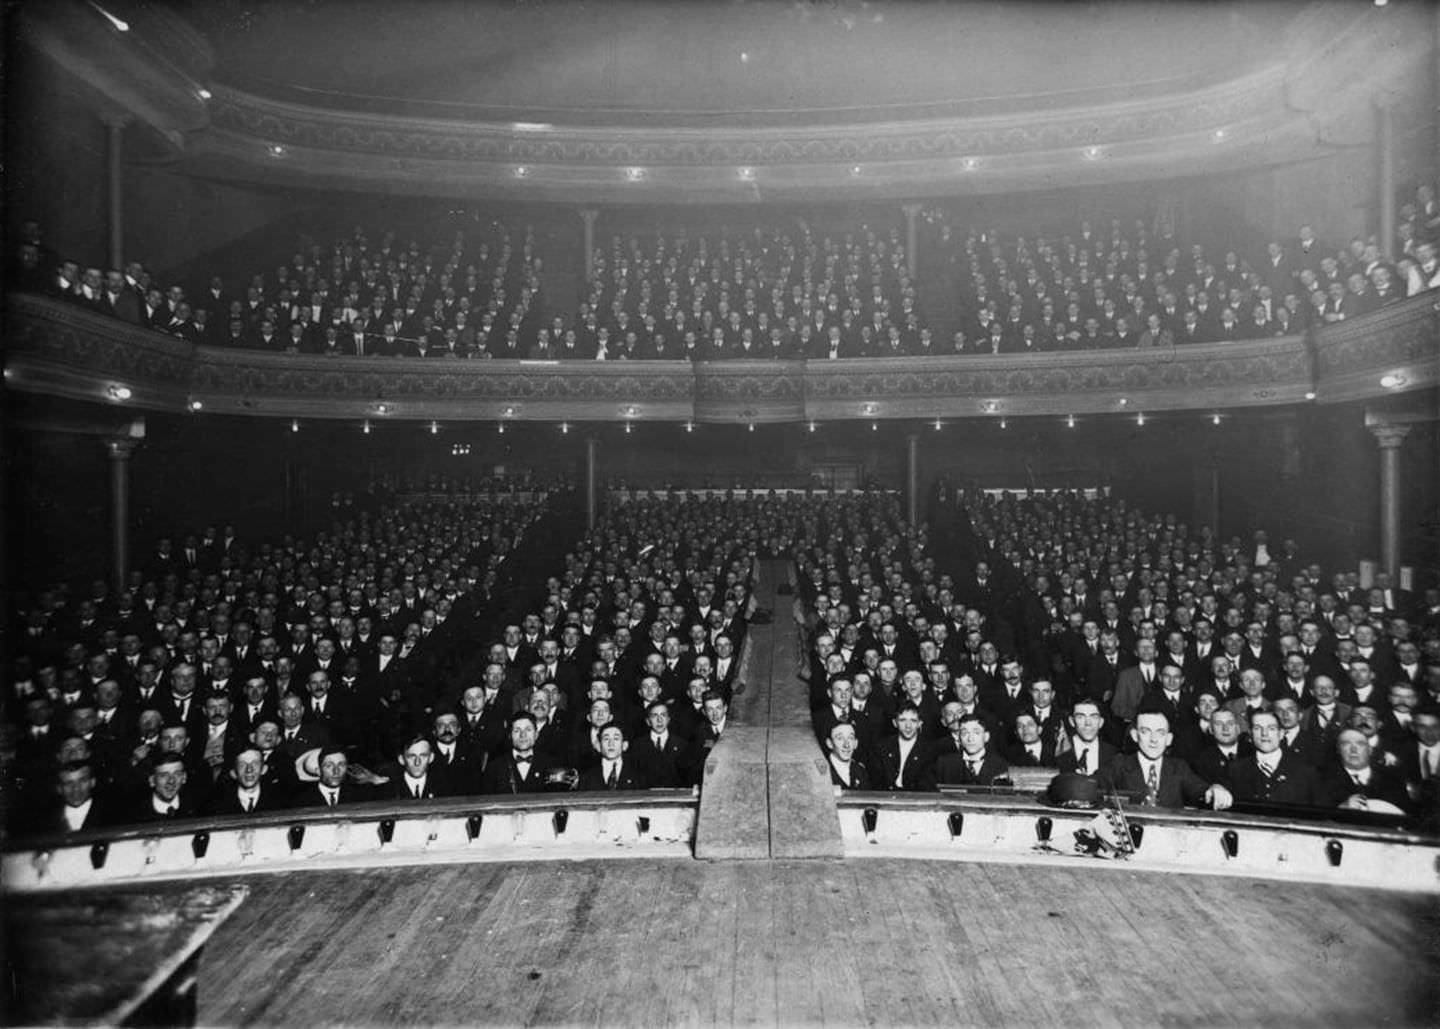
(519, 768)
(662, 756)
(1167, 782)
(331, 786)
(614, 771)
(417, 781)
(1270, 775)
(1029, 749)
(904, 761)
(1357, 783)
(846, 770)
(458, 763)
(166, 795)
(1134, 681)
(245, 790)
(1225, 749)
(1085, 751)
(80, 807)
(974, 764)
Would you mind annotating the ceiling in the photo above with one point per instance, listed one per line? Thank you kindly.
(750, 61)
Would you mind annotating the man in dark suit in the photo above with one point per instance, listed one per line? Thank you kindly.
(332, 787)
(519, 768)
(1167, 782)
(904, 761)
(846, 770)
(1029, 749)
(1270, 775)
(1086, 752)
(1357, 783)
(614, 771)
(166, 795)
(244, 789)
(418, 780)
(80, 807)
(974, 764)
(457, 762)
(297, 735)
(1225, 749)
(663, 756)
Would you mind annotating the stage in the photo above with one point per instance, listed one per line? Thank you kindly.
(815, 942)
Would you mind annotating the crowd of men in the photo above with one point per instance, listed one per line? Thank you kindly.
(1083, 636)
(1141, 286)
(359, 665)
(782, 293)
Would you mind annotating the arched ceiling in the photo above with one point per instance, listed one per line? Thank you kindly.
(743, 101)
(649, 62)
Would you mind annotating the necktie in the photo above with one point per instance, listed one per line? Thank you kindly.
(1152, 785)
(249, 804)
(330, 798)
(975, 769)
(1266, 770)
(659, 742)
(613, 779)
(1083, 764)
(417, 791)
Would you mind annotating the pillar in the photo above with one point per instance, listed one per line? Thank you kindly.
(120, 451)
(1389, 437)
(912, 478)
(912, 254)
(1206, 509)
(591, 486)
(114, 129)
(1385, 143)
(588, 215)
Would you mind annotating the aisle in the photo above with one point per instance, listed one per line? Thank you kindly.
(767, 785)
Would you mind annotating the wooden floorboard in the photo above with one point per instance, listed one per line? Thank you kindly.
(814, 943)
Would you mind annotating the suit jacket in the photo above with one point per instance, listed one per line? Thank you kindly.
(1179, 784)
(1213, 766)
(503, 776)
(953, 770)
(1016, 755)
(918, 773)
(667, 767)
(631, 777)
(1068, 761)
(1294, 782)
(399, 787)
(1385, 784)
(225, 799)
(859, 776)
(102, 813)
(310, 795)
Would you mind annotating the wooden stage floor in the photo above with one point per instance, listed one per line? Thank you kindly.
(815, 942)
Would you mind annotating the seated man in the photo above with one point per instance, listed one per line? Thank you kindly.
(1270, 775)
(1029, 750)
(974, 764)
(905, 761)
(332, 786)
(166, 796)
(244, 789)
(846, 770)
(79, 807)
(418, 780)
(1164, 781)
(663, 756)
(519, 768)
(1357, 783)
(613, 771)
(1087, 753)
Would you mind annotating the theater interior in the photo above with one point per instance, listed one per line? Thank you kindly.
(775, 512)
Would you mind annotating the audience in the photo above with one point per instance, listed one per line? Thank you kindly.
(1062, 633)
(782, 293)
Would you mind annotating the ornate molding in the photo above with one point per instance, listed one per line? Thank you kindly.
(60, 350)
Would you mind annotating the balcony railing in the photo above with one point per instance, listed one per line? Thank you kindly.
(56, 349)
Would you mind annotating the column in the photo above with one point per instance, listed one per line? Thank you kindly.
(120, 451)
(1206, 509)
(591, 486)
(912, 255)
(114, 129)
(1385, 143)
(912, 479)
(588, 215)
(1390, 437)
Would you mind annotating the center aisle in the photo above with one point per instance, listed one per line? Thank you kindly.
(767, 791)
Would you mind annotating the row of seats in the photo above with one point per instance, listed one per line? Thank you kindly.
(787, 292)
(1065, 633)
(380, 661)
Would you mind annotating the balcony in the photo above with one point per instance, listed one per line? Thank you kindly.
(59, 350)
